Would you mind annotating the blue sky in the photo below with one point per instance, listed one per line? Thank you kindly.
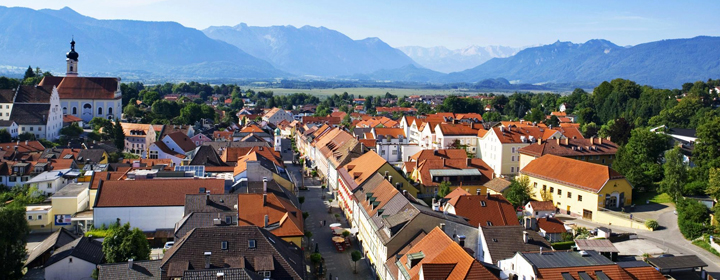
(427, 23)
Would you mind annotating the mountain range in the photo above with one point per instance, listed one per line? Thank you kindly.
(666, 63)
(445, 60)
(315, 51)
(161, 51)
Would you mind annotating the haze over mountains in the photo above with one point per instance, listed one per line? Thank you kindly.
(308, 50)
(445, 60)
(141, 50)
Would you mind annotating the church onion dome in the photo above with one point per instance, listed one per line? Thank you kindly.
(72, 54)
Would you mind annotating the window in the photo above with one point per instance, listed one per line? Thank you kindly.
(569, 194)
(70, 259)
(74, 110)
(559, 192)
(23, 128)
(99, 110)
(544, 187)
(512, 158)
(39, 217)
(513, 149)
(40, 128)
(477, 192)
(489, 223)
(579, 197)
(223, 245)
(535, 185)
(603, 161)
(64, 110)
(512, 169)
(251, 243)
(30, 217)
(31, 128)
(266, 274)
(110, 110)
(552, 189)
(558, 204)
(482, 203)
(394, 152)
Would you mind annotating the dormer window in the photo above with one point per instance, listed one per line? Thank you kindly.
(251, 243)
(224, 245)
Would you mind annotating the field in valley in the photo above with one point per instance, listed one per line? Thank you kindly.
(360, 91)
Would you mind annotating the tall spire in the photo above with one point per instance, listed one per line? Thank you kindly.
(72, 60)
(72, 54)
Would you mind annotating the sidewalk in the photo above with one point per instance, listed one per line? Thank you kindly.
(337, 264)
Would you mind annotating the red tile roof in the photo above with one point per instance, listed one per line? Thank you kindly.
(153, 192)
(496, 210)
(551, 225)
(566, 171)
(571, 147)
(542, 205)
(83, 87)
(252, 211)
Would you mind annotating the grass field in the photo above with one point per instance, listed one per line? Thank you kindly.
(641, 197)
(362, 91)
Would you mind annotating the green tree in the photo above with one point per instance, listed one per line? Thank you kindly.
(26, 136)
(713, 186)
(675, 172)
(519, 192)
(706, 153)
(553, 121)
(131, 111)
(123, 244)
(444, 189)
(356, 256)
(71, 131)
(492, 116)
(29, 73)
(98, 123)
(5, 136)
(118, 135)
(535, 115)
(150, 97)
(13, 239)
(640, 159)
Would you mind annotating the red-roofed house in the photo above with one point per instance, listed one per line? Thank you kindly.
(175, 146)
(576, 187)
(500, 146)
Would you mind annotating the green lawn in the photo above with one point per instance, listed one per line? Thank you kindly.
(705, 245)
(640, 198)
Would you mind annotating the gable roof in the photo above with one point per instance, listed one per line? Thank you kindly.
(154, 192)
(55, 240)
(285, 220)
(30, 114)
(364, 167)
(475, 165)
(83, 248)
(599, 245)
(206, 155)
(188, 252)
(551, 225)
(389, 133)
(140, 270)
(503, 241)
(182, 140)
(213, 203)
(564, 170)
(542, 205)
(485, 210)
(33, 94)
(441, 258)
(7, 95)
(83, 87)
(498, 184)
(571, 147)
(449, 129)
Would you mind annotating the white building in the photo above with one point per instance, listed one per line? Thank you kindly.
(10, 126)
(148, 204)
(500, 146)
(36, 110)
(276, 115)
(389, 143)
(49, 182)
(175, 146)
(86, 97)
(457, 136)
(74, 261)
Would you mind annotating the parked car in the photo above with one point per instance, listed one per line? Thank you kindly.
(169, 245)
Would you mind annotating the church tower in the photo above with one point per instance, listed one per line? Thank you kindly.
(278, 140)
(72, 61)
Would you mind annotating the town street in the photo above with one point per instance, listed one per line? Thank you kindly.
(338, 264)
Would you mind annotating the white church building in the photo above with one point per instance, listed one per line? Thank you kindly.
(86, 97)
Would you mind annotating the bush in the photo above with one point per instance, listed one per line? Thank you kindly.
(652, 224)
(692, 218)
(563, 245)
(315, 258)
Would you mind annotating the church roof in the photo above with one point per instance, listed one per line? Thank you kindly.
(83, 87)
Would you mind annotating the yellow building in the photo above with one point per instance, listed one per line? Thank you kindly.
(39, 217)
(575, 187)
(430, 168)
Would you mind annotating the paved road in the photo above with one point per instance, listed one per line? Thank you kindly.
(339, 264)
(668, 236)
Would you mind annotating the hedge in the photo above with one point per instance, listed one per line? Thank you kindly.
(563, 245)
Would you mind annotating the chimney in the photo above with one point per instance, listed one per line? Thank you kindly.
(267, 220)
(130, 263)
(567, 141)
(469, 161)
(264, 185)
(608, 138)
(220, 275)
(539, 141)
(526, 237)
(207, 197)
(558, 141)
(386, 174)
(487, 194)
(26, 142)
(461, 240)
(443, 162)
(599, 140)
(207, 259)
(404, 192)
(389, 179)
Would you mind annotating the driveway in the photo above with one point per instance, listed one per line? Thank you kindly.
(668, 237)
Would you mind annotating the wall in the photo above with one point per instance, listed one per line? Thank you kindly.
(68, 104)
(618, 219)
(145, 218)
(44, 223)
(78, 269)
(590, 200)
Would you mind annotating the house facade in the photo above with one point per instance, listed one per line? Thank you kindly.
(500, 146)
(554, 178)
